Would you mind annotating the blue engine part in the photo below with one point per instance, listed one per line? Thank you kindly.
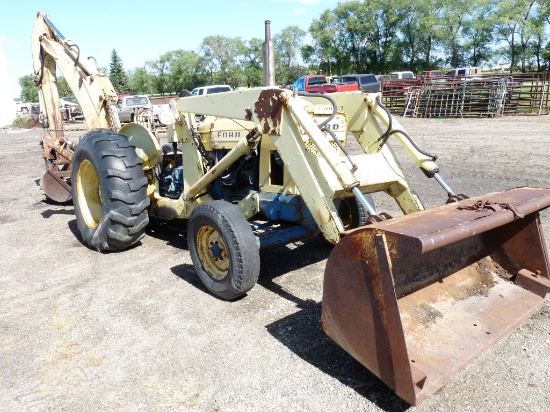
(289, 208)
(270, 234)
(172, 182)
(289, 220)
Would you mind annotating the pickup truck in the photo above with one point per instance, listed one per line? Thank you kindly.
(319, 84)
(430, 74)
(127, 106)
(160, 104)
(367, 83)
(216, 88)
(402, 75)
(463, 71)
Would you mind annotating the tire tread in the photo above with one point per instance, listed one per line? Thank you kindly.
(245, 264)
(123, 187)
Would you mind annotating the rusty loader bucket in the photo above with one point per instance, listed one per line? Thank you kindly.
(416, 298)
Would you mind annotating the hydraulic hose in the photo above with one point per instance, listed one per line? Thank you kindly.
(386, 135)
(436, 175)
(76, 62)
(323, 125)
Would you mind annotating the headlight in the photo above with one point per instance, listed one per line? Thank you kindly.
(166, 117)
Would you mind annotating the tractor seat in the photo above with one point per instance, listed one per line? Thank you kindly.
(168, 150)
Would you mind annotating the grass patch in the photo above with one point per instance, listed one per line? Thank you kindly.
(25, 123)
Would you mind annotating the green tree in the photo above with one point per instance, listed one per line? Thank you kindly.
(420, 32)
(538, 39)
(454, 18)
(323, 47)
(159, 69)
(253, 68)
(383, 48)
(545, 55)
(63, 88)
(29, 92)
(410, 28)
(287, 45)
(140, 81)
(184, 70)
(513, 23)
(430, 34)
(224, 57)
(176, 70)
(117, 75)
(341, 39)
(355, 24)
(478, 34)
(358, 36)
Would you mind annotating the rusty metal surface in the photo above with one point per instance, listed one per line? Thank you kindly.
(533, 282)
(446, 224)
(487, 95)
(58, 156)
(269, 110)
(54, 185)
(416, 298)
(449, 323)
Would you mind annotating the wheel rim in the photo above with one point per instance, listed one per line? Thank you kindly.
(88, 192)
(212, 252)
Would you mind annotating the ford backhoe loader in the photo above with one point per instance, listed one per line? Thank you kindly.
(413, 298)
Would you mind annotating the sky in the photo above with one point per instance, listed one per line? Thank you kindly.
(143, 30)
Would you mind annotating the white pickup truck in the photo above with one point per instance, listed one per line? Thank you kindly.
(129, 106)
(159, 104)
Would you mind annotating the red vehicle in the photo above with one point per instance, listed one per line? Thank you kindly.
(319, 84)
(430, 74)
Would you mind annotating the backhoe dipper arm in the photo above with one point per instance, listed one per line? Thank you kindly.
(93, 90)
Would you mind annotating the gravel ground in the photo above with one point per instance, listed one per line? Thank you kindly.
(129, 331)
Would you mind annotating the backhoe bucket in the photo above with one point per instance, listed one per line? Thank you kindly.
(54, 185)
(416, 298)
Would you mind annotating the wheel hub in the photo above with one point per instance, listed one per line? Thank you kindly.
(212, 252)
(89, 194)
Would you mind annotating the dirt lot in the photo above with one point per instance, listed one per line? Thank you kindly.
(136, 330)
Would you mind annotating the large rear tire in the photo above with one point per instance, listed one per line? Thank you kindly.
(223, 249)
(109, 191)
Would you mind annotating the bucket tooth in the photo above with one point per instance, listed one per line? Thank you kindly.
(416, 298)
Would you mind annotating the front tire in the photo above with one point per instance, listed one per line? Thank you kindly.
(109, 191)
(223, 249)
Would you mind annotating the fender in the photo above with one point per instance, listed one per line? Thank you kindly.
(147, 146)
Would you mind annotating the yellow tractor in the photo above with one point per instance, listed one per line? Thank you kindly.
(413, 298)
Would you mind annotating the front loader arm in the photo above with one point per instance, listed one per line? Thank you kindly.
(319, 170)
(373, 125)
